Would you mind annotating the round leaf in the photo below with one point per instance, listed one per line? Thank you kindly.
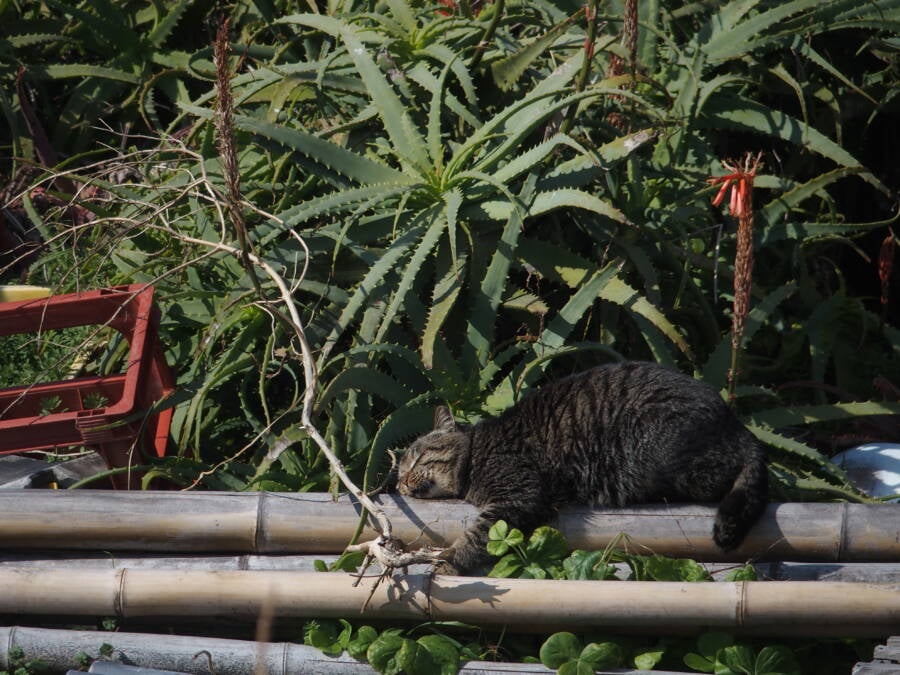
(559, 648)
(602, 655)
(414, 659)
(383, 650)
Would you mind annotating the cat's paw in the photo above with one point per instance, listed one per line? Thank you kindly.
(446, 564)
(447, 568)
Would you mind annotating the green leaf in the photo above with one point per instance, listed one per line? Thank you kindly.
(739, 659)
(382, 653)
(444, 652)
(740, 113)
(621, 293)
(546, 546)
(545, 202)
(648, 659)
(509, 69)
(509, 566)
(776, 660)
(414, 659)
(559, 648)
(323, 635)
(811, 414)
(602, 655)
(745, 573)
(662, 568)
(699, 663)
(320, 152)
(591, 565)
(501, 538)
(84, 70)
(446, 291)
(359, 645)
(711, 642)
(715, 371)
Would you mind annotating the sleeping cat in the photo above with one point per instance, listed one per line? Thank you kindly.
(618, 434)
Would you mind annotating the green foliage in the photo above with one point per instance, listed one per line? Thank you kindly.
(444, 235)
(718, 653)
(388, 652)
(19, 664)
(566, 653)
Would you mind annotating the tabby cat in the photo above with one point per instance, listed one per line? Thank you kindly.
(618, 434)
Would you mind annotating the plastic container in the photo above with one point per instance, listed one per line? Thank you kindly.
(121, 426)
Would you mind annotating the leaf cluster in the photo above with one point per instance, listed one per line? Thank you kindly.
(460, 219)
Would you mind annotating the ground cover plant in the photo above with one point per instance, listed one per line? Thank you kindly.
(462, 201)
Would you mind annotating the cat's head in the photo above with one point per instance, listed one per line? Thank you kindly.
(434, 466)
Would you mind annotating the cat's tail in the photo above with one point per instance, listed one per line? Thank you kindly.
(746, 500)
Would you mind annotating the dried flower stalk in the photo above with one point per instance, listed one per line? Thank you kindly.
(740, 184)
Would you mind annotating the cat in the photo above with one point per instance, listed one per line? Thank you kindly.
(618, 434)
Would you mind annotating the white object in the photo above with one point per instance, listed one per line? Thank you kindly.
(873, 467)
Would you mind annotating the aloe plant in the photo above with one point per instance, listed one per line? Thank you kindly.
(460, 221)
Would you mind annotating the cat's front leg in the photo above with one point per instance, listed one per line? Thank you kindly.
(469, 552)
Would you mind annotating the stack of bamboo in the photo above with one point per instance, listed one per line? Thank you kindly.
(260, 541)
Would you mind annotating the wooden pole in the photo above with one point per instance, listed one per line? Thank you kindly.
(313, 523)
(773, 608)
(884, 573)
(58, 650)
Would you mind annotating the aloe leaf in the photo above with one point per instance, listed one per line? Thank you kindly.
(321, 152)
(168, 22)
(518, 118)
(532, 157)
(453, 201)
(435, 146)
(401, 11)
(338, 201)
(803, 47)
(545, 202)
(103, 24)
(421, 75)
(622, 294)
(434, 226)
(408, 144)
(738, 39)
(507, 71)
(715, 371)
(783, 417)
(84, 70)
(446, 291)
(480, 328)
(515, 124)
(450, 58)
(583, 169)
(559, 328)
(374, 278)
(778, 208)
(363, 378)
(733, 112)
(801, 450)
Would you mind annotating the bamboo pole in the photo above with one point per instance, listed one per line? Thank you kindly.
(313, 523)
(883, 573)
(58, 649)
(774, 608)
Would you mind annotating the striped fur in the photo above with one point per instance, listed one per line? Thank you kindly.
(618, 434)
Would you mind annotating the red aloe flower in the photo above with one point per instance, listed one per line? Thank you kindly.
(740, 182)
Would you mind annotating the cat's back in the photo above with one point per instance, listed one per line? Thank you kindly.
(625, 386)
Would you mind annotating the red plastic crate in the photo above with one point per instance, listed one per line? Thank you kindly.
(118, 427)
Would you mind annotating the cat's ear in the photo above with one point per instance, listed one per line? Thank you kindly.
(443, 419)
